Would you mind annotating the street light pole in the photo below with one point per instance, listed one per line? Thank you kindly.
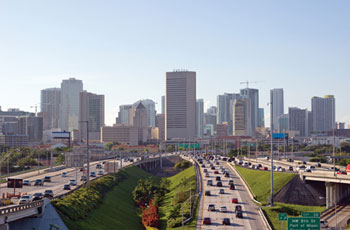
(271, 127)
(88, 153)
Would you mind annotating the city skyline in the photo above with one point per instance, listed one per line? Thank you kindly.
(307, 56)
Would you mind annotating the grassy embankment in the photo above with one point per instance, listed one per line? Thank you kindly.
(181, 184)
(117, 210)
(259, 182)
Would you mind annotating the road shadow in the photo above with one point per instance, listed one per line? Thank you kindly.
(250, 213)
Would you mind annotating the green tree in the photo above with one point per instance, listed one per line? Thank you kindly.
(109, 146)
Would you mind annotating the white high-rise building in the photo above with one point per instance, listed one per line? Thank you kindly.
(163, 105)
(124, 115)
(253, 96)
(180, 105)
(277, 106)
(200, 117)
(225, 108)
(323, 114)
(241, 114)
(70, 104)
(50, 107)
(151, 111)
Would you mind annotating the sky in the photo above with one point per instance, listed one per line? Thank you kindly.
(122, 49)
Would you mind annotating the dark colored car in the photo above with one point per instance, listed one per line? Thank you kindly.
(265, 168)
(66, 187)
(227, 174)
(230, 182)
(217, 163)
(304, 162)
(234, 200)
(47, 179)
(291, 168)
(205, 170)
(213, 168)
(224, 159)
(39, 182)
(218, 178)
(318, 164)
(221, 191)
(219, 184)
(37, 196)
(211, 208)
(238, 208)
(216, 172)
(206, 221)
(232, 187)
(48, 194)
(239, 214)
(210, 183)
(226, 221)
(290, 160)
(207, 193)
(342, 172)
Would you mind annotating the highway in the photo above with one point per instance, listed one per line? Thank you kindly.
(251, 217)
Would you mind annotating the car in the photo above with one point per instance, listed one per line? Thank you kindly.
(219, 184)
(47, 179)
(318, 164)
(206, 221)
(210, 183)
(205, 170)
(37, 196)
(39, 182)
(240, 162)
(301, 168)
(207, 193)
(83, 178)
(213, 168)
(252, 166)
(342, 173)
(227, 174)
(26, 182)
(93, 174)
(224, 159)
(207, 175)
(216, 172)
(223, 209)
(307, 170)
(239, 214)
(249, 163)
(48, 193)
(226, 221)
(232, 187)
(81, 169)
(238, 208)
(266, 168)
(234, 200)
(304, 163)
(218, 178)
(324, 224)
(291, 168)
(267, 158)
(25, 199)
(217, 163)
(290, 160)
(72, 182)
(98, 166)
(333, 169)
(221, 191)
(100, 173)
(230, 182)
(64, 174)
(260, 165)
(66, 187)
(203, 165)
(211, 208)
(246, 164)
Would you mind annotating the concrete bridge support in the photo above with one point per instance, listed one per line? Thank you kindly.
(335, 193)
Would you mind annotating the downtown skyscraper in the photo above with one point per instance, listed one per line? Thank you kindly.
(253, 96)
(200, 118)
(180, 105)
(50, 100)
(323, 114)
(277, 104)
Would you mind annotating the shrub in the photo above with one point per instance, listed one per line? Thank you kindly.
(150, 216)
(182, 165)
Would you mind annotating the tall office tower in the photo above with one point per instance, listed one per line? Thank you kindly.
(261, 122)
(160, 124)
(139, 119)
(124, 115)
(298, 121)
(180, 105)
(212, 110)
(200, 117)
(241, 113)
(277, 106)
(283, 123)
(92, 109)
(50, 100)
(70, 104)
(32, 127)
(323, 114)
(253, 96)
(163, 104)
(151, 111)
(225, 108)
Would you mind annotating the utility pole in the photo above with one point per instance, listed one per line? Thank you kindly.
(88, 153)
(271, 127)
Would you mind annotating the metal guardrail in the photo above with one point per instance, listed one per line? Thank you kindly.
(21, 207)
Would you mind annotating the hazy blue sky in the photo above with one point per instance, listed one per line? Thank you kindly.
(123, 48)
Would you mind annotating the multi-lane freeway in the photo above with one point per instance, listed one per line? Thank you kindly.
(251, 217)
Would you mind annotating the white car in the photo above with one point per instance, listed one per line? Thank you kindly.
(100, 173)
(64, 174)
(223, 209)
(25, 199)
(72, 182)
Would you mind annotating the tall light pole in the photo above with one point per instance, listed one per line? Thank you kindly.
(88, 153)
(271, 127)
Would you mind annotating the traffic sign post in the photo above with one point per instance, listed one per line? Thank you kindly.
(282, 217)
(303, 223)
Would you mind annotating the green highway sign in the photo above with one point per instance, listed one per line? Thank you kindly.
(311, 214)
(301, 223)
(282, 216)
(191, 146)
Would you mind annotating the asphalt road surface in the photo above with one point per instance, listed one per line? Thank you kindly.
(251, 217)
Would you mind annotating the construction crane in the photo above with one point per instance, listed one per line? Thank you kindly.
(247, 82)
(36, 109)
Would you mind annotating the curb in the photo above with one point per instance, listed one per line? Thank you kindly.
(252, 196)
